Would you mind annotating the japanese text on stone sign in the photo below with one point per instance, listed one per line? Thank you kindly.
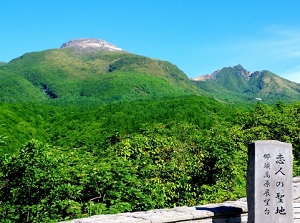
(276, 181)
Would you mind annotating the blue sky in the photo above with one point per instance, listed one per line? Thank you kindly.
(199, 36)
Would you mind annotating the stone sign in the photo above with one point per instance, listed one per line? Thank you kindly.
(269, 182)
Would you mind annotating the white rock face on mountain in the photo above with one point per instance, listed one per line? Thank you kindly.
(87, 44)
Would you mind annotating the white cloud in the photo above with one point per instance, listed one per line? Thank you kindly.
(275, 42)
(293, 74)
(286, 46)
(276, 49)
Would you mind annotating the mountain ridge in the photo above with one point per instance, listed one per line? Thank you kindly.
(93, 69)
(237, 82)
(239, 68)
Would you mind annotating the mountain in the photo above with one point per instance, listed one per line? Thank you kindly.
(90, 45)
(95, 70)
(238, 84)
(90, 69)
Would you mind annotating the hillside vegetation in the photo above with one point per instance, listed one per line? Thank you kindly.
(235, 84)
(65, 75)
(97, 132)
(65, 162)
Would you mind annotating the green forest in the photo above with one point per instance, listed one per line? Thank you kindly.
(60, 161)
(85, 133)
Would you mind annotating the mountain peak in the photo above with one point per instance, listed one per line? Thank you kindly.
(89, 44)
(238, 70)
(238, 67)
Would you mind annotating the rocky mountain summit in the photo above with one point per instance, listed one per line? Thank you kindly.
(88, 44)
(238, 69)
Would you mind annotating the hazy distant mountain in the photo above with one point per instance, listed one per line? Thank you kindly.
(90, 69)
(237, 83)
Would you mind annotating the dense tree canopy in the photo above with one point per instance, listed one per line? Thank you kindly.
(65, 162)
